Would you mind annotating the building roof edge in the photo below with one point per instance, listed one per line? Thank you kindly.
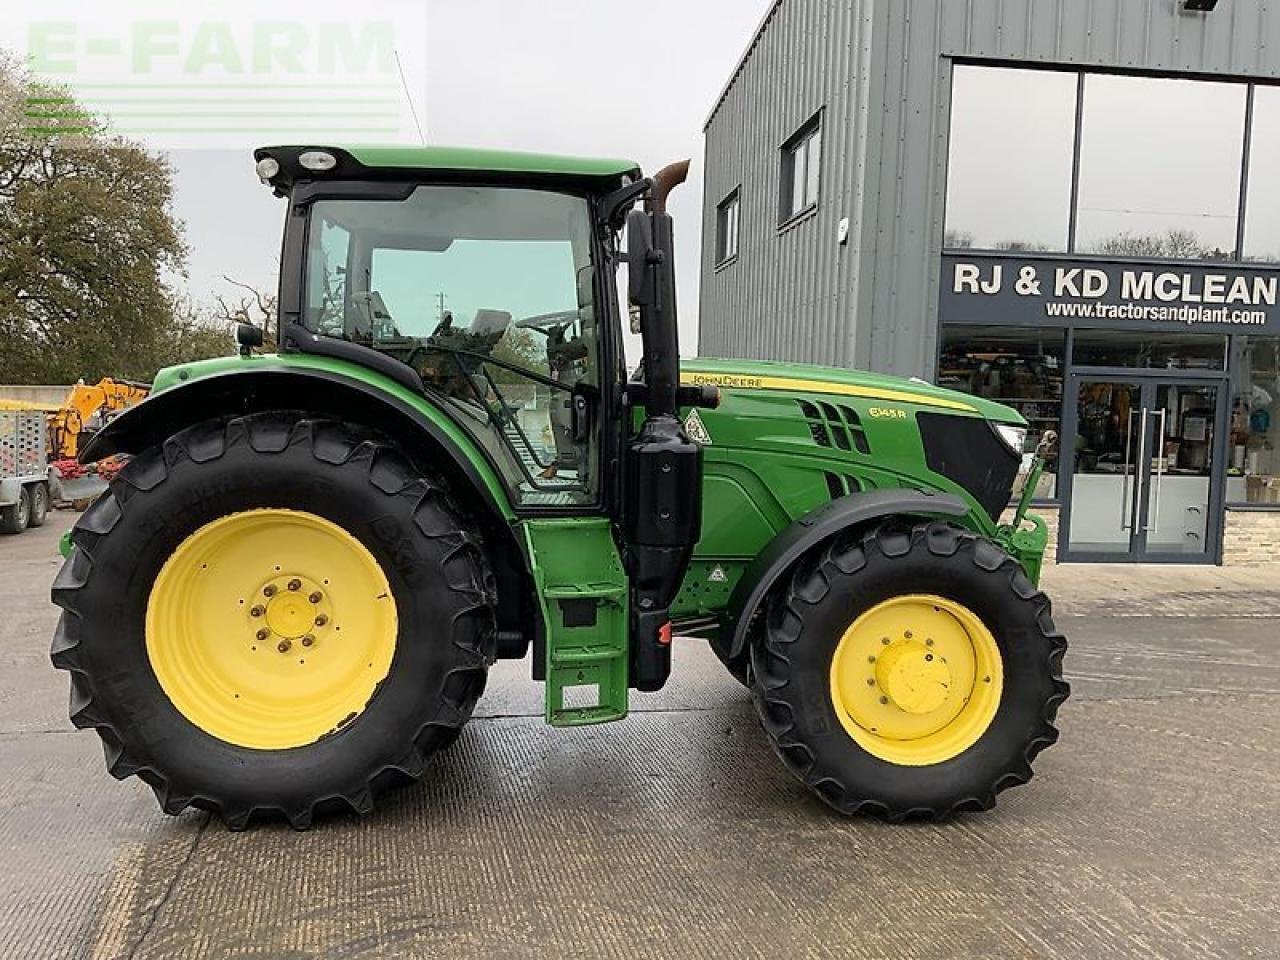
(742, 62)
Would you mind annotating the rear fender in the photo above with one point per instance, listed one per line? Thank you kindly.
(423, 431)
(832, 518)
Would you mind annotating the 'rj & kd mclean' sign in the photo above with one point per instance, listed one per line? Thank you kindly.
(1027, 291)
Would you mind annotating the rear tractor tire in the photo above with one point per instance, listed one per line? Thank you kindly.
(912, 671)
(274, 616)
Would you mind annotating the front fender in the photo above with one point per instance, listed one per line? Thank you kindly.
(238, 388)
(810, 530)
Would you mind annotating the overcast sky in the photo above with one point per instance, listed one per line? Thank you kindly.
(600, 77)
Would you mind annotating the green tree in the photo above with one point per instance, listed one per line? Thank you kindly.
(87, 240)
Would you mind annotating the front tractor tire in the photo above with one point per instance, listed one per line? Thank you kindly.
(909, 672)
(274, 616)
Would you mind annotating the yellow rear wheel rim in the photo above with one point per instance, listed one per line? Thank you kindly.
(271, 628)
(916, 680)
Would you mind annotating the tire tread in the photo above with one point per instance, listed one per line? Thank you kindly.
(811, 582)
(389, 472)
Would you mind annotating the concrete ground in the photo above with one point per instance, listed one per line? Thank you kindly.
(1152, 830)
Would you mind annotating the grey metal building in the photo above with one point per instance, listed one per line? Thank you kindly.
(1071, 205)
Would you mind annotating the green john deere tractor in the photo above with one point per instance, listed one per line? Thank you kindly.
(290, 597)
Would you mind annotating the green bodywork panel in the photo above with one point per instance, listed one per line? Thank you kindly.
(461, 159)
(584, 595)
(765, 467)
(302, 363)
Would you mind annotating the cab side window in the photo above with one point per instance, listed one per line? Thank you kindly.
(489, 295)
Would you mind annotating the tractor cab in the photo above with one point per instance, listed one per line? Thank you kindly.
(494, 293)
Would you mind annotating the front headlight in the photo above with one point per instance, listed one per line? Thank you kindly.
(1014, 437)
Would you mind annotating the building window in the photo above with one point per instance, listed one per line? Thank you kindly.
(1009, 176)
(1148, 351)
(802, 169)
(1021, 368)
(1253, 468)
(1262, 221)
(1149, 187)
(727, 215)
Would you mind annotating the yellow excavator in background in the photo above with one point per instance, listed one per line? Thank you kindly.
(49, 474)
(87, 409)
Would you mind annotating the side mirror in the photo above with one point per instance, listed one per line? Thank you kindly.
(640, 257)
(651, 257)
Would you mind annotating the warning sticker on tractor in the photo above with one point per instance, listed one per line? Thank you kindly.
(718, 575)
(697, 430)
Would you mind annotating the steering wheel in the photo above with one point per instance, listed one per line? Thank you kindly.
(549, 324)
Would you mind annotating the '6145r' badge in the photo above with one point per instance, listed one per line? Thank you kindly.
(697, 430)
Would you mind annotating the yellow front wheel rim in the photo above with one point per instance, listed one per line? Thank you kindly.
(916, 680)
(269, 629)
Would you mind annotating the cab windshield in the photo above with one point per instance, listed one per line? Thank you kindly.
(487, 292)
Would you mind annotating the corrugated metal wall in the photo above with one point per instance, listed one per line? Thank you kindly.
(881, 69)
(782, 297)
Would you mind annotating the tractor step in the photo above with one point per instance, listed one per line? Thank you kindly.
(584, 595)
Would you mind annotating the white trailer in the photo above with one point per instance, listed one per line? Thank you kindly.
(28, 485)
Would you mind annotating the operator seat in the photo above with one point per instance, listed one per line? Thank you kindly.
(370, 317)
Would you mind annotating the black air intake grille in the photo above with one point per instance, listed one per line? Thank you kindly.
(968, 452)
(840, 485)
(835, 425)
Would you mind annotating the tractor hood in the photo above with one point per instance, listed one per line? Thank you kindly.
(736, 375)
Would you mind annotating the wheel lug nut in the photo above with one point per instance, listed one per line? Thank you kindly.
(269, 590)
(321, 620)
(284, 646)
(308, 640)
(295, 584)
(258, 611)
(315, 597)
(263, 634)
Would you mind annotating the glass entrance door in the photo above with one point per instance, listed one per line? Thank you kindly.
(1141, 476)
(1102, 467)
(1179, 483)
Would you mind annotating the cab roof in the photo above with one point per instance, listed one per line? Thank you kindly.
(450, 163)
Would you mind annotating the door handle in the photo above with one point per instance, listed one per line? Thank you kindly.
(581, 406)
(1153, 526)
(1128, 505)
(1124, 494)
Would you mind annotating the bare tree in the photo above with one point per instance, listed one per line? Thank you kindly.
(258, 307)
(1175, 243)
